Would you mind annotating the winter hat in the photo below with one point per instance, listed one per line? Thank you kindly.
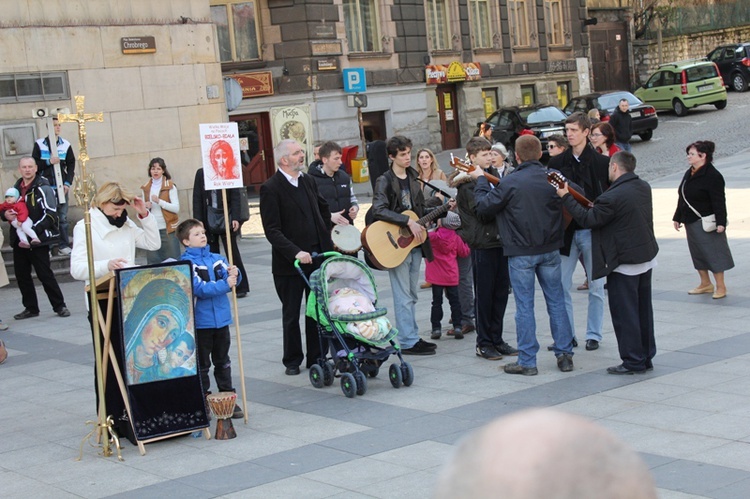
(13, 192)
(451, 221)
(501, 149)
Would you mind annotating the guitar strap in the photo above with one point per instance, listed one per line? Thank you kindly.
(441, 191)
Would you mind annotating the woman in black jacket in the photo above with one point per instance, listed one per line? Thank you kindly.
(701, 193)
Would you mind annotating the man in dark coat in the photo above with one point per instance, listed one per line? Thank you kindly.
(622, 123)
(297, 223)
(334, 184)
(625, 252)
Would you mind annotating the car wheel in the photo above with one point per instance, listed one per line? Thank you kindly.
(679, 108)
(721, 104)
(739, 82)
(646, 136)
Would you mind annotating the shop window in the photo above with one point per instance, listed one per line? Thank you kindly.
(489, 97)
(563, 94)
(528, 95)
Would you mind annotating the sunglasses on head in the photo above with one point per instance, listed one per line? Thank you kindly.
(120, 202)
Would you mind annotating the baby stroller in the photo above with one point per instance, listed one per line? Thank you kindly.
(355, 336)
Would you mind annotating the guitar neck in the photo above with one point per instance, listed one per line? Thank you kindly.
(433, 215)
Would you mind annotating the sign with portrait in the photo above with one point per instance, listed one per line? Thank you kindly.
(158, 349)
(293, 122)
(220, 150)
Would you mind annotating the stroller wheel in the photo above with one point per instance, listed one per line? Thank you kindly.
(328, 373)
(394, 374)
(407, 373)
(348, 385)
(361, 379)
(317, 376)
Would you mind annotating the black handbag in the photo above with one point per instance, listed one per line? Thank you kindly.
(216, 223)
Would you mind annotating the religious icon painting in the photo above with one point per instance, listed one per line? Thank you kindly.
(158, 327)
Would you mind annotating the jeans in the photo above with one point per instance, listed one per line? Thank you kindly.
(582, 245)
(62, 215)
(546, 268)
(436, 313)
(625, 146)
(466, 290)
(170, 248)
(404, 284)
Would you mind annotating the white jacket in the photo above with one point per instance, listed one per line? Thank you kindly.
(110, 242)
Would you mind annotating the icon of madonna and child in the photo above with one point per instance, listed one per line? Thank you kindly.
(158, 329)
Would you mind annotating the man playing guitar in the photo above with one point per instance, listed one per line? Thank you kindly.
(396, 191)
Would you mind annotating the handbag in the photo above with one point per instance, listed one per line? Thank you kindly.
(216, 221)
(708, 222)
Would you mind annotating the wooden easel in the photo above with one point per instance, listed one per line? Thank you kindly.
(106, 289)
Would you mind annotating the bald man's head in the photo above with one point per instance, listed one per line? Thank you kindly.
(543, 453)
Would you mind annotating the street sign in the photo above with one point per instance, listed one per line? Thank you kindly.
(356, 100)
(354, 80)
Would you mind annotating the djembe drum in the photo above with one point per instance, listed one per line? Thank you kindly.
(222, 406)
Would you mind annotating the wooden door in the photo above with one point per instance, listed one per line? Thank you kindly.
(256, 148)
(449, 113)
(609, 57)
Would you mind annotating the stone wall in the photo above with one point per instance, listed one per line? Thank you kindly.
(680, 48)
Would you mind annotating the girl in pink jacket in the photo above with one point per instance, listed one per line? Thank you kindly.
(442, 272)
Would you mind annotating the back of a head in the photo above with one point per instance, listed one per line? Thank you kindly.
(528, 148)
(544, 453)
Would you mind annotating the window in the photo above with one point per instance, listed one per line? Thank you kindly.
(563, 94)
(480, 23)
(361, 23)
(437, 24)
(553, 18)
(528, 95)
(237, 30)
(25, 87)
(518, 11)
(17, 140)
(489, 97)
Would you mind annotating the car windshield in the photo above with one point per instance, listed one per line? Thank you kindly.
(542, 115)
(611, 101)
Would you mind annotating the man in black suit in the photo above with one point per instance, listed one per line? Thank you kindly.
(202, 201)
(297, 222)
(624, 249)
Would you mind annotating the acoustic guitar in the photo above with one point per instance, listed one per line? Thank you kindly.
(466, 167)
(388, 244)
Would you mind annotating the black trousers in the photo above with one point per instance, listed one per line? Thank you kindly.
(244, 285)
(213, 347)
(436, 314)
(38, 258)
(291, 290)
(491, 284)
(633, 318)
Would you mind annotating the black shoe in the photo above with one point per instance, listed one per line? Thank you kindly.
(575, 342)
(458, 334)
(436, 334)
(25, 315)
(623, 370)
(292, 371)
(649, 365)
(420, 348)
(241, 295)
(506, 349)
(237, 413)
(63, 312)
(489, 353)
(516, 368)
(427, 344)
(565, 363)
(574, 345)
(592, 344)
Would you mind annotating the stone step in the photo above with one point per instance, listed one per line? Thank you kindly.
(60, 266)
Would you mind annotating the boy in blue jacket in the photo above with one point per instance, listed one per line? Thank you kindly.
(213, 278)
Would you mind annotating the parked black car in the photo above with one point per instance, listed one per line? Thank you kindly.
(510, 122)
(644, 116)
(734, 64)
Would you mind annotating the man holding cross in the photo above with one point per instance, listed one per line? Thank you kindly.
(45, 161)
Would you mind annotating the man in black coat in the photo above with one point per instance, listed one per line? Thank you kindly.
(203, 201)
(625, 251)
(297, 223)
(585, 167)
(622, 123)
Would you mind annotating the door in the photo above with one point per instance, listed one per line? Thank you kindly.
(609, 56)
(448, 112)
(256, 148)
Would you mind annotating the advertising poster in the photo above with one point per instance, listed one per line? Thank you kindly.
(293, 122)
(220, 150)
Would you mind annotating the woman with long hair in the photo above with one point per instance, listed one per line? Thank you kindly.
(702, 193)
(162, 201)
(428, 169)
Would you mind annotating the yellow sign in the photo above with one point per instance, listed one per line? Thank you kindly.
(447, 101)
(456, 72)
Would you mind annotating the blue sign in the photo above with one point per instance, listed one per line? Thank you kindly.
(355, 80)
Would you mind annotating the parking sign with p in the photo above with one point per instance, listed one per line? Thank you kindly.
(355, 80)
